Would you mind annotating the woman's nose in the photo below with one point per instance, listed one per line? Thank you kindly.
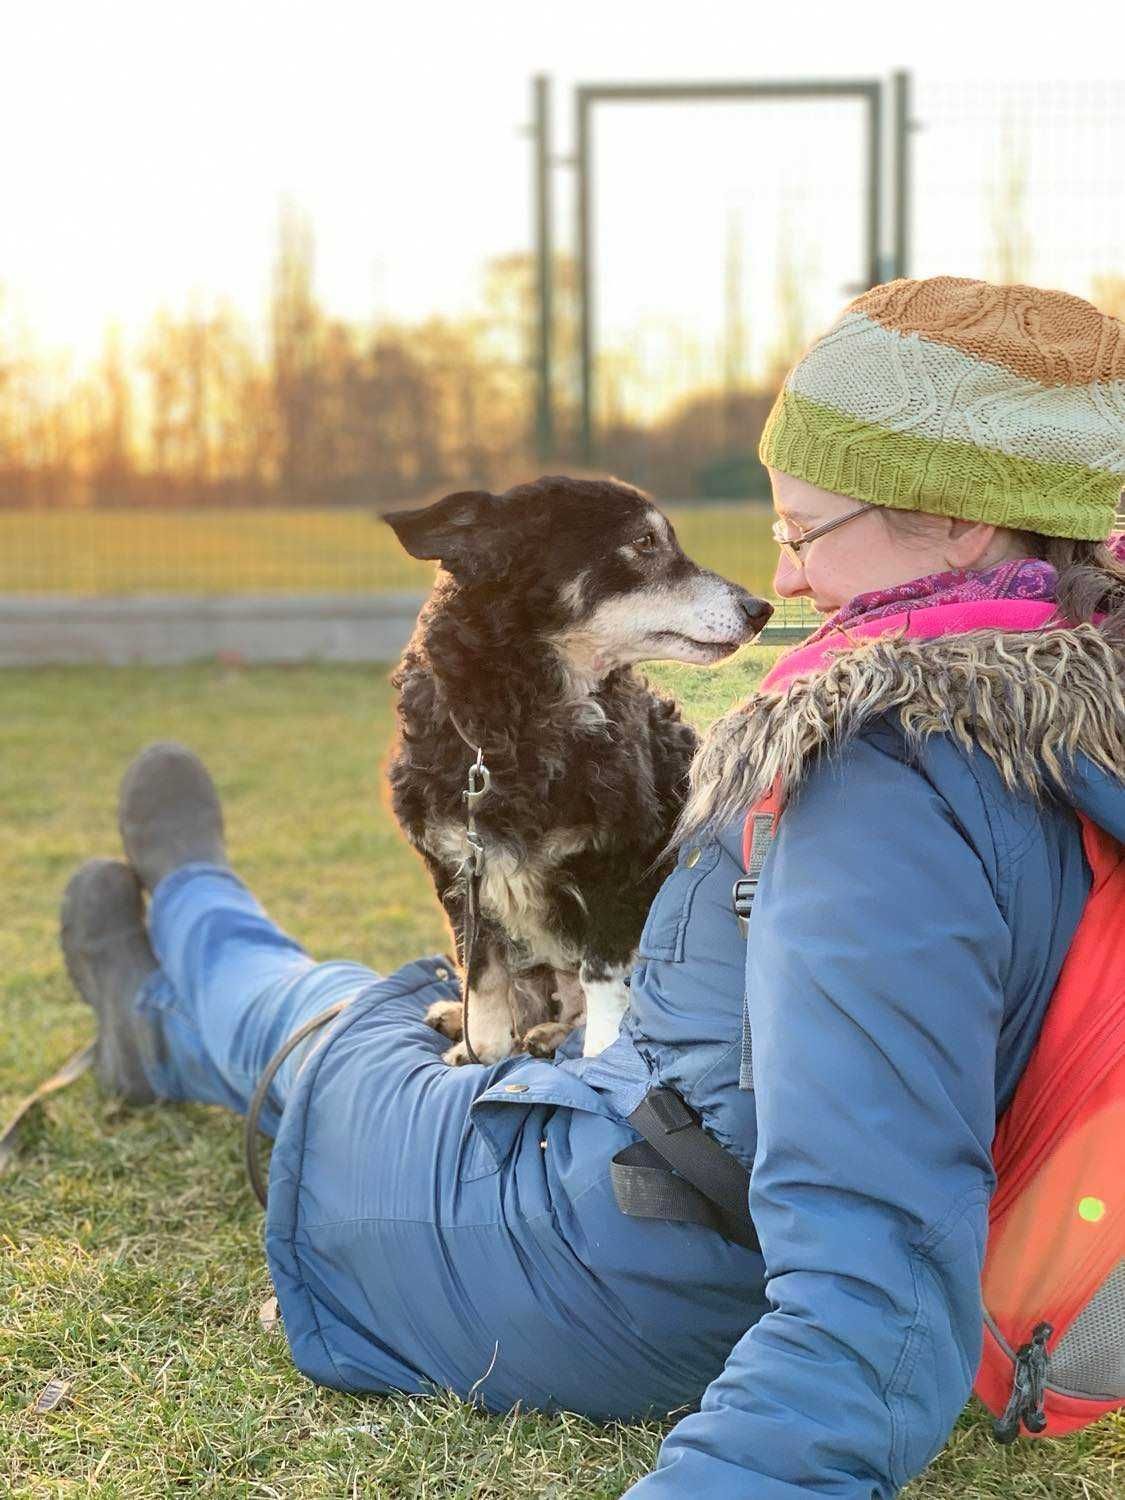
(788, 579)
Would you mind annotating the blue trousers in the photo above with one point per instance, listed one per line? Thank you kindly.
(432, 1226)
(231, 988)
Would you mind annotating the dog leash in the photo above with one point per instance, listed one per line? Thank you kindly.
(250, 1136)
(472, 868)
(471, 871)
(73, 1068)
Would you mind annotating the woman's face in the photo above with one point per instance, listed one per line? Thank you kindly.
(862, 555)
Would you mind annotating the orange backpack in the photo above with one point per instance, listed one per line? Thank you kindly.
(1053, 1285)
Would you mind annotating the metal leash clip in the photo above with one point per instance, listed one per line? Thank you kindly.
(480, 784)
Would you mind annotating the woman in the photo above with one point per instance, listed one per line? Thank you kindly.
(947, 443)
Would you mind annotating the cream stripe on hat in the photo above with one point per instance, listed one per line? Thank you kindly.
(912, 384)
(1003, 404)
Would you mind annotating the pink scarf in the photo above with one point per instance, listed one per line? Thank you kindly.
(1014, 595)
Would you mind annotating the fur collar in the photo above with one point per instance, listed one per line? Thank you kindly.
(1030, 700)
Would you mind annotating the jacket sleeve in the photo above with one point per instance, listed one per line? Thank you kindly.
(875, 979)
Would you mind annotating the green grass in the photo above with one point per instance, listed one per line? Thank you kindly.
(130, 1253)
(105, 553)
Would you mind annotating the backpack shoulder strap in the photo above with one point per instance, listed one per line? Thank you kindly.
(756, 840)
(758, 833)
(678, 1171)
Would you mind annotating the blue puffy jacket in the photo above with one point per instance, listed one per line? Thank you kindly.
(458, 1226)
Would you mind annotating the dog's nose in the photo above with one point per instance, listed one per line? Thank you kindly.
(756, 610)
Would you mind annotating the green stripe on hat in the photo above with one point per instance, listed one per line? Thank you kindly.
(916, 384)
(901, 470)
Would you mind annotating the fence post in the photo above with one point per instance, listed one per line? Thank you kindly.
(901, 171)
(544, 255)
(585, 275)
(874, 183)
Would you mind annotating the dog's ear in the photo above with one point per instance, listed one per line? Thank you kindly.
(449, 531)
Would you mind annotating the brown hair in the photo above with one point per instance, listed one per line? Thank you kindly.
(1091, 578)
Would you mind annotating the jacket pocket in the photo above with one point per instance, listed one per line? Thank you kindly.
(663, 934)
(499, 1116)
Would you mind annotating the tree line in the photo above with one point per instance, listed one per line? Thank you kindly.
(323, 411)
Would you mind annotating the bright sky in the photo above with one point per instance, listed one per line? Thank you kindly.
(147, 146)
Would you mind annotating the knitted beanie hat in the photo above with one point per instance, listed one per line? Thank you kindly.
(988, 403)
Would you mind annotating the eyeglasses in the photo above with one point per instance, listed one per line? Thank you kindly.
(791, 546)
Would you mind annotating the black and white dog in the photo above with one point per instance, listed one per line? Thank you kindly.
(546, 596)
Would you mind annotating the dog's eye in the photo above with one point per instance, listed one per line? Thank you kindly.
(646, 543)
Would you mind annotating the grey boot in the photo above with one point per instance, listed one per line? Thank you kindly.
(169, 813)
(108, 958)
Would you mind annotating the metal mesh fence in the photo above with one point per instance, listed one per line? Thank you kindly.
(1011, 181)
(1022, 182)
(687, 330)
(283, 551)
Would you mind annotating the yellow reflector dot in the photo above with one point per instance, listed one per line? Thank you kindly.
(1091, 1209)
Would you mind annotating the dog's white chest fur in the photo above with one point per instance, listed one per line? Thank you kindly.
(513, 891)
(607, 1000)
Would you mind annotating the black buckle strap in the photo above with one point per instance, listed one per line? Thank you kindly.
(742, 899)
(679, 1172)
(746, 887)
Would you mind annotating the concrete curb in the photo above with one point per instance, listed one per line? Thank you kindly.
(62, 630)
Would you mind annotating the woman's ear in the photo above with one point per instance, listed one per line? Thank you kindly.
(971, 545)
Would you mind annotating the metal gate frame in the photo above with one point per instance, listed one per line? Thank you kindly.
(879, 267)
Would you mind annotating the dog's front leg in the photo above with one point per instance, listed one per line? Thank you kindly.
(490, 1012)
(607, 999)
(569, 1003)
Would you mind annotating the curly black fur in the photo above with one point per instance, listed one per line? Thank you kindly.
(605, 761)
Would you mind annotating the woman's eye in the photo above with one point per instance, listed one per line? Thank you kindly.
(646, 543)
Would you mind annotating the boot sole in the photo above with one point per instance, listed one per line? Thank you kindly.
(82, 978)
(172, 762)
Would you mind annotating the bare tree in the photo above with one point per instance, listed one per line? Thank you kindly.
(296, 327)
(791, 314)
(1010, 249)
(159, 365)
(110, 461)
(238, 417)
(734, 329)
(196, 363)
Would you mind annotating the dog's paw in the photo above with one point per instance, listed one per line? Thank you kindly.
(457, 1055)
(446, 1016)
(544, 1040)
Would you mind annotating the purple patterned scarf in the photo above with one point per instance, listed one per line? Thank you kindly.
(1019, 578)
